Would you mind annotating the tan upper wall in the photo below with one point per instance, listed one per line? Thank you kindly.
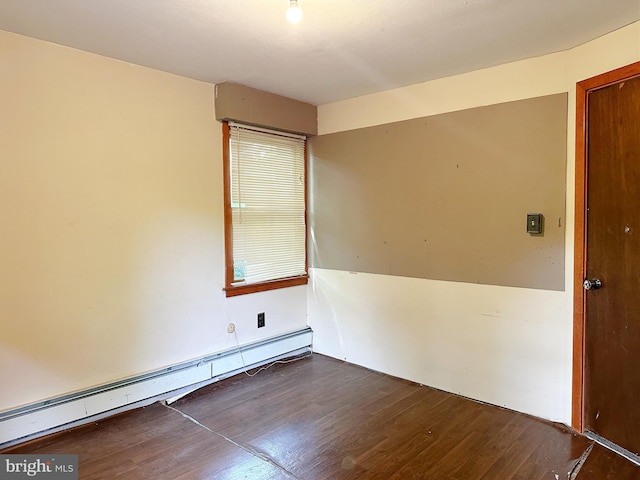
(446, 197)
(257, 107)
(540, 76)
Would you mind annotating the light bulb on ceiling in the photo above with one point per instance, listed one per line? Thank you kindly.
(294, 12)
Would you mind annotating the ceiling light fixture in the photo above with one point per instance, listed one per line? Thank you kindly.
(294, 12)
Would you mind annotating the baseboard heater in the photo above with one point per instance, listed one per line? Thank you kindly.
(55, 414)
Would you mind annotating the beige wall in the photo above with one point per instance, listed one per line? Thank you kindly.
(507, 346)
(111, 249)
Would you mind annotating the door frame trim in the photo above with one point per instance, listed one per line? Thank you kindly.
(583, 89)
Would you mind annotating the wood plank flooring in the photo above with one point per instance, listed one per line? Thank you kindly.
(320, 418)
(602, 464)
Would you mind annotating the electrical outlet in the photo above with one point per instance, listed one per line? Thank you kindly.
(261, 321)
(231, 328)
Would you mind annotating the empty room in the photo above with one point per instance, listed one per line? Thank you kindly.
(320, 239)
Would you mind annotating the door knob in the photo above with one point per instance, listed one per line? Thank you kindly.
(594, 284)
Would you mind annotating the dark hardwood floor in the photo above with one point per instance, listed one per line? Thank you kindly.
(320, 418)
(601, 464)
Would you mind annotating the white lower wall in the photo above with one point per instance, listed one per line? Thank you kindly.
(502, 345)
(82, 407)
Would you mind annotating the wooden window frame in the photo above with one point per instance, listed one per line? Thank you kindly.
(230, 289)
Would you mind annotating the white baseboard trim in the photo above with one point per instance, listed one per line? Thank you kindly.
(66, 411)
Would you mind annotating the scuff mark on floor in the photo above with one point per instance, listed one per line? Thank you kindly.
(583, 458)
(249, 450)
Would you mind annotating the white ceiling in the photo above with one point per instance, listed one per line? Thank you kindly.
(341, 49)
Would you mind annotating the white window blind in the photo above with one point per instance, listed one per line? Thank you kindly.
(267, 172)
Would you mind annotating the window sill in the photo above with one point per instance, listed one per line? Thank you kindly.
(232, 291)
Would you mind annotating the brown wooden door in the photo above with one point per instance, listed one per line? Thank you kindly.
(612, 314)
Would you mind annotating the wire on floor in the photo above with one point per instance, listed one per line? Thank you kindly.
(264, 367)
